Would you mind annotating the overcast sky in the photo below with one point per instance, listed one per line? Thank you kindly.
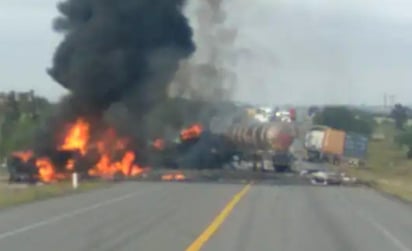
(290, 51)
(324, 51)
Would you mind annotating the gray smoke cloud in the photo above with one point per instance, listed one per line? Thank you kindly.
(208, 75)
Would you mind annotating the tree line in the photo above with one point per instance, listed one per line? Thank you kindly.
(343, 118)
(20, 115)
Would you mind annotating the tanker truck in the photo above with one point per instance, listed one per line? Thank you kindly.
(258, 142)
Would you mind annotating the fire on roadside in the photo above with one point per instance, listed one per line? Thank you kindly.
(173, 177)
(77, 139)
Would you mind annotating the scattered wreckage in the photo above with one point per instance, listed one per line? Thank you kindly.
(323, 177)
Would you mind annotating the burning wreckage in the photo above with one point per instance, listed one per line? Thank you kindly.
(122, 53)
(113, 52)
(104, 157)
(111, 156)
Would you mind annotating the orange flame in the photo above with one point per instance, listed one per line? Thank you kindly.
(24, 156)
(126, 163)
(70, 164)
(173, 177)
(192, 132)
(46, 169)
(167, 177)
(136, 171)
(106, 167)
(180, 176)
(77, 137)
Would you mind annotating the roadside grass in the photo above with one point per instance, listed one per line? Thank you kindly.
(13, 195)
(3, 172)
(387, 167)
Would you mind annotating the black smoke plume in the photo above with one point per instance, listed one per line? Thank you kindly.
(114, 52)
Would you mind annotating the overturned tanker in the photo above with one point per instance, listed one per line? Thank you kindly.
(258, 142)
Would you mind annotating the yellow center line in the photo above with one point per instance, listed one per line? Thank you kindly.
(218, 221)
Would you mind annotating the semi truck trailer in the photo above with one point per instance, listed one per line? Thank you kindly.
(258, 142)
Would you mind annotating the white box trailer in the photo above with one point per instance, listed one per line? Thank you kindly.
(314, 142)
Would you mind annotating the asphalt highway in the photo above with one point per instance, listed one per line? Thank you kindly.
(211, 217)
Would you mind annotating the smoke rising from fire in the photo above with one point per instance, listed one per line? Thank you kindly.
(117, 59)
(116, 52)
(208, 75)
(119, 50)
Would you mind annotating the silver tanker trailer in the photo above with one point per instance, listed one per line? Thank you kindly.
(259, 141)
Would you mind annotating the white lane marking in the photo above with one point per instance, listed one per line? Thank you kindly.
(65, 216)
(386, 233)
(377, 225)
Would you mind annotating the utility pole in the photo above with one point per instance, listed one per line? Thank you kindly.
(2, 120)
(392, 100)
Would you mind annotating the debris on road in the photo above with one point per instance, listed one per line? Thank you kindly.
(322, 177)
